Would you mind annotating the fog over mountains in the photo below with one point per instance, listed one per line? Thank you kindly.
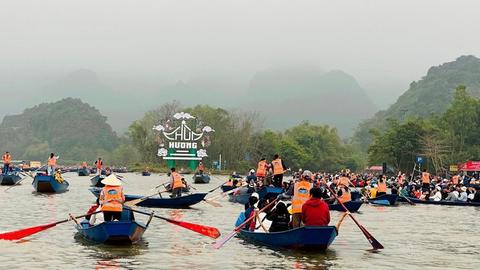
(283, 96)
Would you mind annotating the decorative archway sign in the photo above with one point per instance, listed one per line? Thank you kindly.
(183, 138)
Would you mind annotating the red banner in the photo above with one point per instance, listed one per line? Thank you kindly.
(470, 166)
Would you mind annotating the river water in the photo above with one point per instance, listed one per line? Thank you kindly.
(415, 237)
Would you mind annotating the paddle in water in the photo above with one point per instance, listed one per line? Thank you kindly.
(375, 244)
(201, 229)
(219, 243)
(19, 234)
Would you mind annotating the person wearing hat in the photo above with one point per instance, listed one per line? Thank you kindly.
(301, 193)
(251, 177)
(437, 195)
(112, 198)
(315, 212)
(463, 194)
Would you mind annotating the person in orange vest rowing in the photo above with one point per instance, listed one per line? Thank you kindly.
(425, 181)
(344, 180)
(51, 164)
(176, 184)
(382, 186)
(112, 198)
(301, 194)
(201, 167)
(278, 170)
(99, 165)
(7, 159)
(262, 170)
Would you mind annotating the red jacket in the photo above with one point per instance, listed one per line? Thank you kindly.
(315, 212)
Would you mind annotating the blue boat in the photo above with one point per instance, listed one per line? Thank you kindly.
(242, 195)
(158, 202)
(125, 231)
(146, 173)
(226, 188)
(83, 172)
(305, 238)
(48, 184)
(387, 199)
(199, 178)
(97, 181)
(9, 179)
(352, 206)
(450, 203)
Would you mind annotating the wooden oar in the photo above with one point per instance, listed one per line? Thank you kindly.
(219, 243)
(201, 229)
(217, 187)
(408, 200)
(139, 200)
(375, 244)
(19, 234)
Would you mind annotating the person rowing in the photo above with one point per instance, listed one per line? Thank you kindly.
(177, 183)
(112, 198)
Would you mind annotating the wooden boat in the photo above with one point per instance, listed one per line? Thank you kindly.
(306, 238)
(450, 203)
(352, 206)
(9, 179)
(242, 195)
(97, 180)
(387, 199)
(227, 188)
(83, 172)
(201, 178)
(145, 173)
(166, 202)
(125, 231)
(48, 184)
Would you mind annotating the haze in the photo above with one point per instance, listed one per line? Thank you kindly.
(384, 45)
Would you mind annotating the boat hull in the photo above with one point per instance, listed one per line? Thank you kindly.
(9, 179)
(146, 173)
(83, 172)
(242, 195)
(113, 232)
(387, 199)
(201, 178)
(352, 206)
(448, 203)
(305, 238)
(97, 181)
(48, 184)
(179, 202)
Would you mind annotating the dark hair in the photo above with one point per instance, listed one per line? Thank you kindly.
(316, 193)
(252, 200)
(172, 169)
(52, 154)
(275, 156)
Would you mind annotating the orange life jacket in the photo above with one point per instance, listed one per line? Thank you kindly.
(344, 181)
(382, 187)
(52, 161)
(346, 197)
(277, 166)
(301, 194)
(177, 180)
(425, 177)
(112, 198)
(229, 184)
(7, 159)
(201, 168)
(99, 164)
(455, 179)
(262, 168)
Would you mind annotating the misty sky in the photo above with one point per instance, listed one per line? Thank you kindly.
(384, 44)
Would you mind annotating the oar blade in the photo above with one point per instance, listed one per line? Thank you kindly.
(213, 203)
(219, 243)
(19, 234)
(201, 229)
(375, 244)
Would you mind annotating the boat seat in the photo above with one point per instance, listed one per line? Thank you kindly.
(127, 215)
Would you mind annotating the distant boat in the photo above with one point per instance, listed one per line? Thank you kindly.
(164, 202)
(199, 178)
(352, 206)
(125, 231)
(386, 199)
(449, 203)
(9, 179)
(305, 238)
(83, 172)
(97, 180)
(48, 184)
(146, 173)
